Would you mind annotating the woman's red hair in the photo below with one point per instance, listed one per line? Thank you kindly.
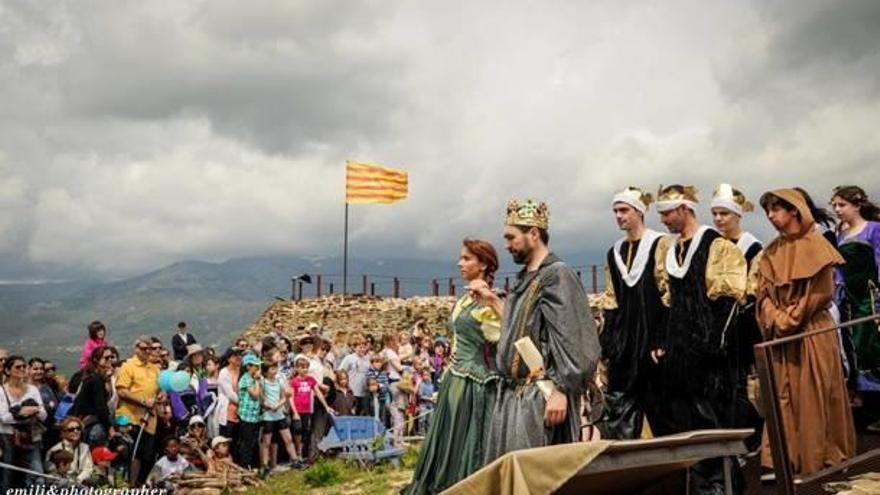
(486, 254)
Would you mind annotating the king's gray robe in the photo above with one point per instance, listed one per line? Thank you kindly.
(550, 306)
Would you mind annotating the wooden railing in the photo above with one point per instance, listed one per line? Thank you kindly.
(399, 286)
(785, 480)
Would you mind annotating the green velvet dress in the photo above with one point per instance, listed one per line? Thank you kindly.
(860, 289)
(454, 445)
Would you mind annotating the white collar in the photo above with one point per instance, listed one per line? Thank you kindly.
(745, 242)
(632, 275)
(672, 266)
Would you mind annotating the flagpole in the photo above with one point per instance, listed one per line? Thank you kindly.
(345, 254)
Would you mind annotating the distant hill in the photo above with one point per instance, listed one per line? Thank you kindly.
(217, 300)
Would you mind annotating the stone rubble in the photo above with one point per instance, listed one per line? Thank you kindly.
(339, 316)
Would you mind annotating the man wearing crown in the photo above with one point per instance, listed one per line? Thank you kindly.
(548, 350)
(704, 277)
(632, 312)
(728, 206)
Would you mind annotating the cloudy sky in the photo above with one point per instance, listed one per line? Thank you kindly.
(134, 134)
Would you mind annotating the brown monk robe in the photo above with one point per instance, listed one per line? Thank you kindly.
(793, 297)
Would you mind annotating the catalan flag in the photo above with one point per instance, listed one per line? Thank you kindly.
(374, 184)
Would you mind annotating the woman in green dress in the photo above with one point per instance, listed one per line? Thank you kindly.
(453, 447)
(858, 240)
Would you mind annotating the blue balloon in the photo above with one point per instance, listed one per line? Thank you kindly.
(165, 380)
(180, 381)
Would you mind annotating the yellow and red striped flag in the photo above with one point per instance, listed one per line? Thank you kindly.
(374, 184)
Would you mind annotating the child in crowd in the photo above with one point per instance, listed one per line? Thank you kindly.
(425, 394)
(275, 421)
(168, 465)
(375, 402)
(357, 365)
(220, 459)
(344, 402)
(249, 411)
(305, 390)
(62, 460)
(103, 475)
(438, 361)
(377, 372)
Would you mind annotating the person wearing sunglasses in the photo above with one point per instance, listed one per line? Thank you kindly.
(21, 411)
(92, 401)
(138, 387)
(82, 466)
(195, 444)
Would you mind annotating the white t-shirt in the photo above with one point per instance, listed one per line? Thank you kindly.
(356, 367)
(392, 358)
(168, 467)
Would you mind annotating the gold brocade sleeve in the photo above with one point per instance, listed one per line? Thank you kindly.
(490, 323)
(754, 275)
(660, 274)
(607, 300)
(726, 271)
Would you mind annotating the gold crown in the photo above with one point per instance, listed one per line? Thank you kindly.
(529, 213)
(726, 191)
(689, 194)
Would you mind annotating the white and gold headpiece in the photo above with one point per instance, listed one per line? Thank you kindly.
(528, 213)
(727, 197)
(634, 197)
(672, 199)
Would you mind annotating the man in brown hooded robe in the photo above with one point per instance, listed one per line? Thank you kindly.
(793, 297)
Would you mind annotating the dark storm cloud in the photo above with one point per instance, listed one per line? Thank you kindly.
(135, 134)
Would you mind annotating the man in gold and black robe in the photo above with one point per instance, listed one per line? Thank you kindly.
(703, 277)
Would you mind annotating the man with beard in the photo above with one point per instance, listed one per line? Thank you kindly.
(633, 312)
(549, 306)
(704, 276)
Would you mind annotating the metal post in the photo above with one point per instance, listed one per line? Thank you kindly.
(331, 288)
(318, 287)
(396, 287)
(344, 255)
(365, 284)
(300, 290)
(773, 417)
(595, 279)
(372, 288)
(435, 288)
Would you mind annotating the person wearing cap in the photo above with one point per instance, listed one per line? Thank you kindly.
(632, 312)
(194, 444)
(220, 458)
(539, 406)
(195, 399)
(729, 204)
(102, 458)
(703, 277)
(181, 341)
(249, 412)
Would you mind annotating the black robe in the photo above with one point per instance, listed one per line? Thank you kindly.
(629, 328)
(694, 339)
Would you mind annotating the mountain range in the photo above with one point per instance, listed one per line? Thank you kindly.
(217, 300)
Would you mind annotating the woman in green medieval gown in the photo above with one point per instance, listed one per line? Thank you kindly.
(453, 447)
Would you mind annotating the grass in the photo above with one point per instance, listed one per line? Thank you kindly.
(336, 477)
